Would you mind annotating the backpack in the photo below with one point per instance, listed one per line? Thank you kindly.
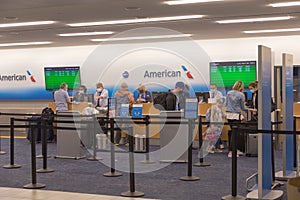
(160, 101)
(48, 113)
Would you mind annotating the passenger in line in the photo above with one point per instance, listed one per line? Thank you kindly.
(173, 102)
(253, 87)
(122, 96)
(235, 104)
(182, 95)
(61, 98)
(215, 114)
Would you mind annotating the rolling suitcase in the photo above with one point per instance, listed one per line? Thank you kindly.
(252, 145)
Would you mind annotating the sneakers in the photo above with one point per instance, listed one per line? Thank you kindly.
(240, 153)
(218, 151)
(230, 155)
(221, 146)
(210, 151)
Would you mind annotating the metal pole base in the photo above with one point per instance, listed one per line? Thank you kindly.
(94, 158)
(189, 178)
(14, 166)
(147, 162)
(132, 194)
(201, 164)
(47, 170)
(273, 194)
(41, 156)
(2, 152)
(276, 184)
(112, 174)
(229, 197)
(34, 186)
(279, 176)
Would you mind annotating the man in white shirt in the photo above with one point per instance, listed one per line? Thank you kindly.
(214, 93)
(101, 96)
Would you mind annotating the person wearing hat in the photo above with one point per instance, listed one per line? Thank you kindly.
(183, 94)
(143, 96)
(172, 101)
(122, 96)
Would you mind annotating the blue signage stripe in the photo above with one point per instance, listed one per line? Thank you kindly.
(289, 120)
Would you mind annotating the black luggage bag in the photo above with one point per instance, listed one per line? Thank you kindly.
(35, 121)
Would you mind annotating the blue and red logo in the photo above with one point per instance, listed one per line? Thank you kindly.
(188, 73)
(31, 76)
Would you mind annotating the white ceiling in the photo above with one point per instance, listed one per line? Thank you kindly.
(73, 11)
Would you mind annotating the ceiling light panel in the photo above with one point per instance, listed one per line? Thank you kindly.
(181, 2)
(86, 33)
(142, 37)
(24, 44)
(273, 30)
(36, 23)
(246, 20)
(285, 4)
(132, 21)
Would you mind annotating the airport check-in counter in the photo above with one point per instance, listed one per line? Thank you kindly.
(69, 143)
(148, 109)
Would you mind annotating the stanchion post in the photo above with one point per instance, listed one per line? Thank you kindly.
(132, 192)
(189, 176)
(1, 152)
(234, 169)
(33, 184)
(201, 162)
(295, 144)
(94, 156)
(44, 139)
(45, 169)
(12, 164)
(147, 161)
(112, 172)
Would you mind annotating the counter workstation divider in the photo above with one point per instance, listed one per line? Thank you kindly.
(149, 109)
(154, 130)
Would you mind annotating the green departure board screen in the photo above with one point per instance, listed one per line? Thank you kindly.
(225, 74)
(55, 76)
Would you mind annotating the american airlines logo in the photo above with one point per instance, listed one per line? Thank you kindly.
(188, 73)
(162, 74)
(17, 77)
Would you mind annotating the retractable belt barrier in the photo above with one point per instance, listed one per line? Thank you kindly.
(147, 121)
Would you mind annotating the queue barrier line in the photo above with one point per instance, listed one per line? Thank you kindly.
(234, 154)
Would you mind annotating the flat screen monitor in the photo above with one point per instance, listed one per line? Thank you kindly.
(225, 74)
(55, 76)
(90, 98)
(202, 97)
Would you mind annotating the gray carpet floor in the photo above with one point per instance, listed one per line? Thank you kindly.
(87, 176)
